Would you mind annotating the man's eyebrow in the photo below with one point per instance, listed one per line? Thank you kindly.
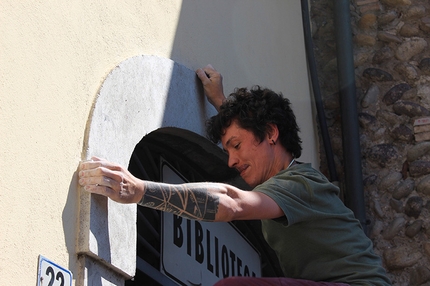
(229, 141)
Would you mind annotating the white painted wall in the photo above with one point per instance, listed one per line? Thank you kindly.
(54, 55)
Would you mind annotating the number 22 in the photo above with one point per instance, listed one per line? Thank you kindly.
(51, 272)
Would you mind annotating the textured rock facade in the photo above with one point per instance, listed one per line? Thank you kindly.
(391, 42)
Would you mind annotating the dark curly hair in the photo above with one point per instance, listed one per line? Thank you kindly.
(254, 110)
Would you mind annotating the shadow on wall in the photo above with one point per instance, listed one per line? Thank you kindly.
(199, 28)
(204, 27)
(248, 41)
(69, 217)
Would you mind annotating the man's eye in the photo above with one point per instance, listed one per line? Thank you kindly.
(237, 146)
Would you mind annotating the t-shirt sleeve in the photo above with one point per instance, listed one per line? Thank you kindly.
(296, 195)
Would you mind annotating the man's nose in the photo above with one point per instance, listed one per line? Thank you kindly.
(232, 161)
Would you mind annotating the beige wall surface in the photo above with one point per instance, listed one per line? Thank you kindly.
(55, 54)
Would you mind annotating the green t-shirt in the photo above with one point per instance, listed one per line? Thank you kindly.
(319, 238)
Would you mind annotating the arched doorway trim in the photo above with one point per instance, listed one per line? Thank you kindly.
(141, 94)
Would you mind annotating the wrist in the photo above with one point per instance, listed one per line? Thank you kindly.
(141, 193)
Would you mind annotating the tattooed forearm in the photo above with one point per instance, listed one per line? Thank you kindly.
(192, 201)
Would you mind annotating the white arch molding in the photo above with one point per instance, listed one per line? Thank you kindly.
(141, 94)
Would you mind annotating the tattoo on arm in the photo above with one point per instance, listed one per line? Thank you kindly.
(192, 201)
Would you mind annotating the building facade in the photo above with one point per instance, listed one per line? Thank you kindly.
(88, 78)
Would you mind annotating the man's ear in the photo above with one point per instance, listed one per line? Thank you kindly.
(272, 132)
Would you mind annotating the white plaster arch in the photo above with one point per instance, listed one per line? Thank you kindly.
(141, 94)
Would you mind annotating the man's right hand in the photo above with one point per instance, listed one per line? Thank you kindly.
(212, 85)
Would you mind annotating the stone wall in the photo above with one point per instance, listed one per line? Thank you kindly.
(392, 68)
